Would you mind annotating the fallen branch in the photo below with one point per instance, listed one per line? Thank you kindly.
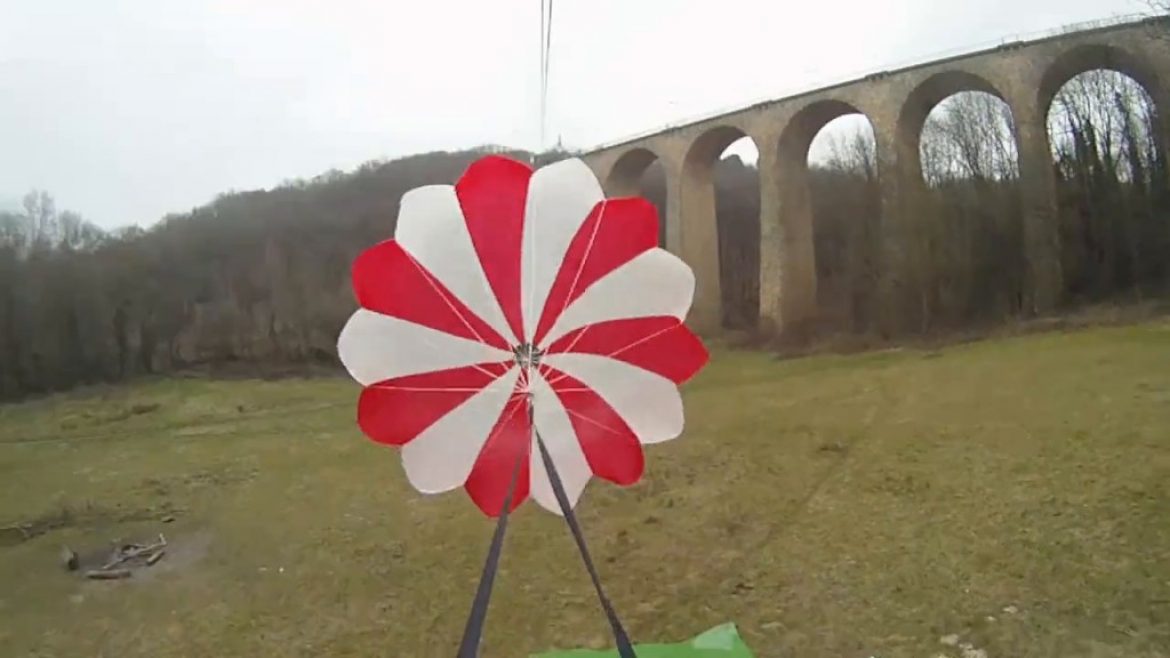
(150, 561)
(107, 574)
(135, 550)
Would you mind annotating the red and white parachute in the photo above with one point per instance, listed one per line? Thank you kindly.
(511, 288)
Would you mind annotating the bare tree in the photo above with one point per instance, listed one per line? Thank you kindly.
(1113, 186)
(41, 213)
(854, 152)
(1103, 117)
(969, 136)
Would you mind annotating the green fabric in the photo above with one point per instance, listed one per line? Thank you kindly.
(719, 642)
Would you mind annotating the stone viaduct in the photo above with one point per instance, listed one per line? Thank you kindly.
(1025, 75)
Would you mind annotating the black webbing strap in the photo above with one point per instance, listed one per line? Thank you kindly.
(625, 649)
(469, 647)
(473, 631)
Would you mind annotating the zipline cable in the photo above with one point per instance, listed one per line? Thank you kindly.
(540, 113)
(546, 50)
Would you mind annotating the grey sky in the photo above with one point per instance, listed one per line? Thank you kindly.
(128, 109)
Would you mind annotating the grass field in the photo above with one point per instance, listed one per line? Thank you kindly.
(831, 506)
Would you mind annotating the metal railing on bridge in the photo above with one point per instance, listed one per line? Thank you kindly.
(858, 75)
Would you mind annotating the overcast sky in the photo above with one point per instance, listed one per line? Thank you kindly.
(128, 109)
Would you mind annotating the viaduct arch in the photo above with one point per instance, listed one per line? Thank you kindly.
(1025, 75)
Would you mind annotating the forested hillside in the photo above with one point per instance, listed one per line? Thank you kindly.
(254, 276)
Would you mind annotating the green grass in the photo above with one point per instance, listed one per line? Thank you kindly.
(831, 506)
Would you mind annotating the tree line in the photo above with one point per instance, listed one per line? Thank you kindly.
(261, 277)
